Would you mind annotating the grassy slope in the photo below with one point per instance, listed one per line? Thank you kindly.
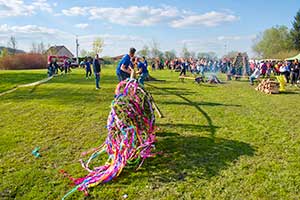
(218, 142)
(11, 78)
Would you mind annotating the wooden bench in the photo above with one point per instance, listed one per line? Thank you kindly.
(198, 79)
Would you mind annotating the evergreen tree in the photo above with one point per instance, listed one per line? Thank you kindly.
(295, 32)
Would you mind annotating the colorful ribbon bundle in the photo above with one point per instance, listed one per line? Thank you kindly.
(130, 137)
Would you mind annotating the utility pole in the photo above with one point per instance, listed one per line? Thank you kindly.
(77, 48)
(225, 47)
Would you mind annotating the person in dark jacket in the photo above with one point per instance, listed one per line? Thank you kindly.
(184, 67)
(88, 70)
(97, 70)
(294, 72)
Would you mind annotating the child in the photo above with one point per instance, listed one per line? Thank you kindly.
(142, 70)
(50, 69)
(88, 69)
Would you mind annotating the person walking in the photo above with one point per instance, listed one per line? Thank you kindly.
(97, 70)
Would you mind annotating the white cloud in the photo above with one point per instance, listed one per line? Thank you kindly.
(133, 15)
(81, 26)
(209, 19)
(147, 16)
(26, 35)
(75, 11)
(220, 44)
(28, 29)
(42, 5)
(13, 8)
(236, 38)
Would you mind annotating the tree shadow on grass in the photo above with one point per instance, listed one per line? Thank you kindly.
(290, 92)
(187, 158)
(194, 157)
(201, 103)
(192, 127)
(190, 103)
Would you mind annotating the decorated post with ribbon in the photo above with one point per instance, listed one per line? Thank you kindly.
(130, 139)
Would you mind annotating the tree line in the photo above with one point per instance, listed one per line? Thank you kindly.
(279, 41)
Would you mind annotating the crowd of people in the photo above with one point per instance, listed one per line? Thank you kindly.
(125, 68)
(289, 69)
(54, 67)
(239, 66)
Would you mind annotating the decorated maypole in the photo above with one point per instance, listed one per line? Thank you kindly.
(130, 140)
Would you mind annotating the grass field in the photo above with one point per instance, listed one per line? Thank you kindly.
(11, 78)
(218, 141)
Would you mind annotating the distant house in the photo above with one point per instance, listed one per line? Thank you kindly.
(59, 51)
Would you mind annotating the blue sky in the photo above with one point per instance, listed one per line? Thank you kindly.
(201, 26)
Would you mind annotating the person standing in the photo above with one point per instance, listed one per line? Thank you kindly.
(294, 72)
(88, 69)
(145, 62)
(142, 70)
(284, 70)
(97, 70)
(66, 65)
(184, 67)
(124, 67)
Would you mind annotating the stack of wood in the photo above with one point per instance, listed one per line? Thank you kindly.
(268, 86)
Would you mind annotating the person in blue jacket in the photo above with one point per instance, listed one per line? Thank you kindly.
(145, 62)
(142, 71)
(125, 66)
(97, 70)
(88, 69)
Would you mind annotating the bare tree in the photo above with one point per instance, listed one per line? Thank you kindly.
(12, 43)
(98, 46)
(33, 48)
(38, 48)
(185, 52)
(41, 48)
(155, 51)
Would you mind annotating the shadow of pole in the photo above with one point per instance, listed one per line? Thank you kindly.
(191, 103)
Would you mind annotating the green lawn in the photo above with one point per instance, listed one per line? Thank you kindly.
(218, 141)
(11, 78)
